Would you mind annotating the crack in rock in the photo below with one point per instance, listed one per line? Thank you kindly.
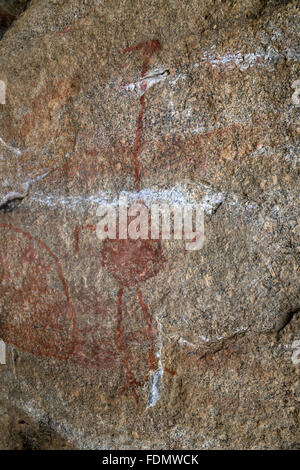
(12, 199)
(285, 320)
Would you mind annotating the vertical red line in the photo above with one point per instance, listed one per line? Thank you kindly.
(77, 228)
(139, 130)
(150, 47)
(76, 235)
(132, 381)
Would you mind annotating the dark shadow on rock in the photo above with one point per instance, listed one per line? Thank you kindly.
(9, 11)
(20, 432)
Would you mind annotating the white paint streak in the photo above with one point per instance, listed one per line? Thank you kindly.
(2, 92)
(198, 130)
(38, 178)
(204, 338)
(224, 337)
(174, 195)
(2, 352)
(71, 202)
(23, 189)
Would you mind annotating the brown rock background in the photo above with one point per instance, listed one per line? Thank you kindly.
(220, 126)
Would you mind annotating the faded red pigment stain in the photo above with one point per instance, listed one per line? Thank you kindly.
(45, 122)
(73, 25)
(228, 146)
(130, 262)
(40, 317)
(47, 103)
(170, 371)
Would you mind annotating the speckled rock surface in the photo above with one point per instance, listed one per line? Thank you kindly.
(145, 345)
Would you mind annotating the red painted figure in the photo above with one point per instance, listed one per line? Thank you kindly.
(132, 262)
(149, 48)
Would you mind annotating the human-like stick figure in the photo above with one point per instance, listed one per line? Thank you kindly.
(132, 262)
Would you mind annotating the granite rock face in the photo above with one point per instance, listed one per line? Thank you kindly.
(144, 344)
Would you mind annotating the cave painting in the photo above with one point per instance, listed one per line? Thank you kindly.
(132, 262)
(42, 319)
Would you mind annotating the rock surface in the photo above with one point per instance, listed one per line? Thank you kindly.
(145, 345)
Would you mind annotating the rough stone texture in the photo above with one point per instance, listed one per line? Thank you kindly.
(205, 109)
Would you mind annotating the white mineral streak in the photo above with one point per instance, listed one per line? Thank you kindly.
(296, 94)
(212, 201)
(2, 352)
(205, 339)
(184, 342)
(21, 192)
(179, 76)
(38, 178)
(260, 58)
(157, 376)
(15, 194)
(10, 147)
(177, 195)
(296, 352)
(150, 79)
(154, 394)
(2, 92)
